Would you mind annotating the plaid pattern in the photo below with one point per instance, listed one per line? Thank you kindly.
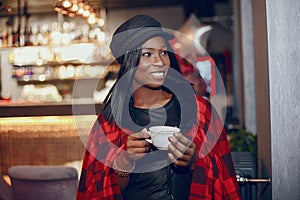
(213, 176)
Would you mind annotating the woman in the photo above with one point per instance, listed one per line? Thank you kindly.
(120, 163)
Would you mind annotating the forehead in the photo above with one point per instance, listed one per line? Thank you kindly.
(155, 42)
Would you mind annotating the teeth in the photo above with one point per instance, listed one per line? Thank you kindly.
(157, 74)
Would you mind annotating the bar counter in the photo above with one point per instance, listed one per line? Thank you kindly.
(44, 133)
(47, 140)
(29, 109)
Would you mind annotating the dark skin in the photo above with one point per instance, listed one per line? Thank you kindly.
(182, 152)
(151, 71)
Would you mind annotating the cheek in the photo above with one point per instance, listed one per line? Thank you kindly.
(144, 63)
(167, 61)
(140, 72)
(142, 68)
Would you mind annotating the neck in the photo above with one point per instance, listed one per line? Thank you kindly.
(145, 97)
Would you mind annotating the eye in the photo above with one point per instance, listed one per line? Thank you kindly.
(146, 54)
(164, 52)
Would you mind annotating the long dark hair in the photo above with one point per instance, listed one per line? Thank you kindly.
(117, 100)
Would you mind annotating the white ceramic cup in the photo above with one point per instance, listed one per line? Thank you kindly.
(159, 136)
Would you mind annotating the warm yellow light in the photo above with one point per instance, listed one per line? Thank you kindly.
(91, 19)
(86, 13)
(100, 22)
(39, 62)
(42, 77)
(74, 7)
(80, 11)
(66, 4)
(80, 8)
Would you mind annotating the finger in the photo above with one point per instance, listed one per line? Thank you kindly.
(182, 148)
(139, 150)
(139, 135)
(137, 144)
(182, 163)
(175, 152)
(184, 140)
(180, 151)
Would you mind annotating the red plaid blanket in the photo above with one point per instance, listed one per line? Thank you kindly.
(213, 177)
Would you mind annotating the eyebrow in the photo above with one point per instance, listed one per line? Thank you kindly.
(163, 47)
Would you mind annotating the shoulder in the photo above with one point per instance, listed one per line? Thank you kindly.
(203, 105)
(205, 109)
(201, 100)
(101, 124)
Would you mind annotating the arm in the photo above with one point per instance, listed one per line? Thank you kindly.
(97, 180)
(136, 147)
(123, 168)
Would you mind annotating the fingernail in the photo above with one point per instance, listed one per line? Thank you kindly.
(171, 147)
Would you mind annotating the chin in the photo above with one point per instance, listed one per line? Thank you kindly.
(153, 86)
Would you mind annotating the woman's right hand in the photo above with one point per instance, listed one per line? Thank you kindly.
(137, 146)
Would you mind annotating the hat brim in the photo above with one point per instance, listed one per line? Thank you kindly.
(147, 34)
(135, 38)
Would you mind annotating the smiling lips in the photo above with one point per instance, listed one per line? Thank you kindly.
(158, 75)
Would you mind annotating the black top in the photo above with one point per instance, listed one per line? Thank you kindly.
(168, 115)
(157, 178)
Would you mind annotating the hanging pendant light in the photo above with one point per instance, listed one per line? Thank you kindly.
(86, 11)
(74, 7)
(66, 4)
(81, 8)
(92, 18)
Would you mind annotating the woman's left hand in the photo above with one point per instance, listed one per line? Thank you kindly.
(182, 150)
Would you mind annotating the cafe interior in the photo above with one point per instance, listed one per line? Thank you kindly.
(56, 69)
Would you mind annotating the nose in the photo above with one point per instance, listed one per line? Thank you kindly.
(158, 61)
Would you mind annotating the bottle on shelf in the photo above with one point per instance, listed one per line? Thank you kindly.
(27, 28)
(9, 36)
(22, 38)
(66, 33)
(28, 35)
(1, 38)
(5, 36)
(16, 38)
(55, 35)
(45, 33)
(34, 35)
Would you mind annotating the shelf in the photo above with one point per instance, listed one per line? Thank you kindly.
(55, 80)
(73, 54)
(34, 79)
(30, 109)
(54, 64)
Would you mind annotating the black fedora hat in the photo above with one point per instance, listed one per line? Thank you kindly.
(134, 32)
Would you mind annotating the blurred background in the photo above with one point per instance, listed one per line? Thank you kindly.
(56, 68)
